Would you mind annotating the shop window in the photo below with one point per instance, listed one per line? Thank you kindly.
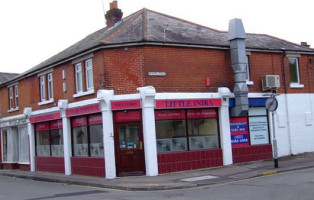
(49, 138)
(10, 145)
(23, 145)
(87, 136)
(183, 130)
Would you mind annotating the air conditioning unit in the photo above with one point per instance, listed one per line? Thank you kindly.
(270, 82)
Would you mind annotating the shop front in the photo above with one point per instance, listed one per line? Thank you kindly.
(128, 137)
(250, 136)
(14, 143)
(187, 133)
(87, 140)
(48, 137)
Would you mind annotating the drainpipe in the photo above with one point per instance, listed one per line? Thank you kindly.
(236, 36)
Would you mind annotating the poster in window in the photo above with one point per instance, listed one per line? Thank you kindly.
(239, 131)
(258, 130)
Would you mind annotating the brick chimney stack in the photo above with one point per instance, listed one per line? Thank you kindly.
(305, 44)
(113, 15)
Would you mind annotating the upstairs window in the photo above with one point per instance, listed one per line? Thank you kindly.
(247, 71)
(84, 78)
(42, 88)
(13, 98)
(78, 78)
(294, 73)
(294, 70)
(46, 88)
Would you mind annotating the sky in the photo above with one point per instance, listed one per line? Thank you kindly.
(32, 31)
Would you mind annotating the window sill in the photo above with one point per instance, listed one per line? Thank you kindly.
(249, 82)
(46, 102)
(13, 110)
(80, 94)
(296, 85)
(23, 163)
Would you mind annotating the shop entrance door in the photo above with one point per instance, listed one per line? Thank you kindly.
(129, 149)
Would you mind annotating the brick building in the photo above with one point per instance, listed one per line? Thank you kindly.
(150, 94)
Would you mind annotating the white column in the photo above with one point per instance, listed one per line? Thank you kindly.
(31, 135)
(224, 126)
(104, 97)
(66, 129)
(149, 130)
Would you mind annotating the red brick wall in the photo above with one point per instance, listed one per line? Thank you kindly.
(125, 69)
(252, 153)
(187, 68)
(189, 160)
(88, 166)
(50, 164)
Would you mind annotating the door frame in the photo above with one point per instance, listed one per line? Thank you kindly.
(117, 148)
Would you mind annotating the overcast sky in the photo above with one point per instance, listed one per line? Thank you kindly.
(34, 30)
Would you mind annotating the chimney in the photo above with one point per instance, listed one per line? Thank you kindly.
(305, 44)
(113, 15)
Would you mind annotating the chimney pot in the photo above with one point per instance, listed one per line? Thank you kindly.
(305, 44)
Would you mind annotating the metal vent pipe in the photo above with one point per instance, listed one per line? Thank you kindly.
(236, 36)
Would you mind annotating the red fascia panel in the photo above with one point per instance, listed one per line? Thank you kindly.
(47, 117)
(43, 126)
(83, 110)
(79, 121)
(202, 113)
(57, 124)
(187, 103)
(95, 119)
(125, 105)
(169, 114)
(128, 116)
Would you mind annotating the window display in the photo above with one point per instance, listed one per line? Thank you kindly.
(182, 130)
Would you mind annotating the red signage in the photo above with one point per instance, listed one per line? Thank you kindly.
(57, 124)
(83, 110)
(190, 103)
(79, 121)
(125, 105)
(47, 117)
(202, 113)
(43, 126)
(169, 114)
(128, 116)
(95, 119)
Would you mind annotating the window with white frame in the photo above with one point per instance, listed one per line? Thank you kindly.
(89, 74)
(294, 70)
(84, 79)
(16, 96)
(42, 88)
(247, 69)
(50, 86)
(78, 78)
(10, 98)
(13, 97)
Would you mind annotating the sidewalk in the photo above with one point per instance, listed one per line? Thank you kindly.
(179, 180)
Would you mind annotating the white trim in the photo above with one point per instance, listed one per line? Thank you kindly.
(45, 72)
(80, 94)
(296, 85)
(78, 72)
(42, 87)
(50, 89)
(292, 55)
(186, 95)
(249, 82)
(13, 110)
(83, 103)
(46, 102)
(89, 68)
(45, 111)
(23, 163)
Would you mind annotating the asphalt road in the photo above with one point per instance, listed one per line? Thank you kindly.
(288, 186)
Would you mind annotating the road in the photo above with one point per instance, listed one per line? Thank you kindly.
(287, 186)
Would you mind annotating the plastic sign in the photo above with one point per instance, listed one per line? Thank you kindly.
(188, 103)
(271, 104)
(239, 131)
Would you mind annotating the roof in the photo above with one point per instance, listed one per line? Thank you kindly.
(4, 77)
(150, 27)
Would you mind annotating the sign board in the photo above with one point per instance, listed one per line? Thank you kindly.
(239, 131)
(188, 103)
(83, 110)
(126, 105)
(258, 130)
